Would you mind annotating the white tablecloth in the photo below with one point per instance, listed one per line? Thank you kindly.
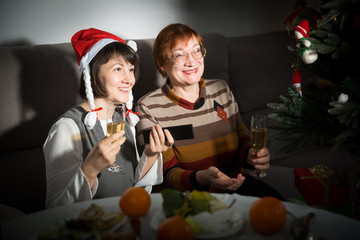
(327, 225)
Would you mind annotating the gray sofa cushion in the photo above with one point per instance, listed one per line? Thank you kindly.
(23, 182)
(217, 59)
(254, 63)
(38, 83)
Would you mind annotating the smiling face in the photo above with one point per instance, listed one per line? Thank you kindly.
(118, 78)
(189, 72)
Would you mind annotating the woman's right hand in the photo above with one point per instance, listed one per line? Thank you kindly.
(160, 141)
(218, 179)
(103, 155)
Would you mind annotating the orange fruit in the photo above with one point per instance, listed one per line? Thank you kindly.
(135, 202)
(267, 215)
(174, 228)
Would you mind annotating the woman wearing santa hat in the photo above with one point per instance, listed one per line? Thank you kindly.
(77, 152)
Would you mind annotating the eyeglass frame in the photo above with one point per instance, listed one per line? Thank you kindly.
(202, 49)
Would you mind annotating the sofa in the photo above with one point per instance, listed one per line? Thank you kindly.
(38, 83)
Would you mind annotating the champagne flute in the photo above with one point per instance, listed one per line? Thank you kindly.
(258, 138)
(115, 122)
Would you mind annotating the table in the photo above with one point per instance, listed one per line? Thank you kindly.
(327, 225)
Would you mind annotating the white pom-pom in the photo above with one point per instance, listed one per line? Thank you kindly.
(132, 44)
(133, 119)
(90, 120)
(306, 43)
(343, 98)
(309, 56)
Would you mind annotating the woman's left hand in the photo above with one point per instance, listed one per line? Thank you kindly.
(159, 141)
(260, 160)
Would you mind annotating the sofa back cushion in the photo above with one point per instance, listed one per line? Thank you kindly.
(217, 56)
(37, 84)
(260, 69)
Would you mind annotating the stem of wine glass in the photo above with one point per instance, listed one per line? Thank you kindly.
(113, 127)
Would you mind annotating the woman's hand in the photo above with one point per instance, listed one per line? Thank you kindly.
(103, 155)
(159, 141)
(260, 160)
(218, 179)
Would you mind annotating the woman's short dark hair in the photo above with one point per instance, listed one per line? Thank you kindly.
(108, 52)
(167, 39)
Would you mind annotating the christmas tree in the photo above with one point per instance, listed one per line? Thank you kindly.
(327, 63)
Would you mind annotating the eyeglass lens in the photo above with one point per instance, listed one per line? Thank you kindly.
(180, 56)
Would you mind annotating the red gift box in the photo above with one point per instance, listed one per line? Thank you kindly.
(316, 189)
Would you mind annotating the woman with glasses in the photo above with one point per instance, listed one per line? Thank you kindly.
(214, 158)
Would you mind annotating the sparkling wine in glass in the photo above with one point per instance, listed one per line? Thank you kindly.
(258, 131)
(115, 122)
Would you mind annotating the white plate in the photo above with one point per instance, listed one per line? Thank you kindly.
(85, 234)
(232, 214)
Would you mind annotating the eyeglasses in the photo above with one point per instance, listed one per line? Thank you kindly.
(180, 57)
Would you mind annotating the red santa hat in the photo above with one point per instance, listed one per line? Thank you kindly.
(296, 76)
(303, 27)
(296, 80)
(87, 43)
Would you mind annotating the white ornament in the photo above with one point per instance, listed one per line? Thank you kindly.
(343, 98)
(306, 43)
(309, 56)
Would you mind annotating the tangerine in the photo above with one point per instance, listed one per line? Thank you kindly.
(135, 202)
(267, 215)
(174, 228)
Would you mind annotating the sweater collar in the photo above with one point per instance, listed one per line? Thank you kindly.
(182, 102)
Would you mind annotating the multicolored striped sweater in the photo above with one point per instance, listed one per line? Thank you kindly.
(220, 136)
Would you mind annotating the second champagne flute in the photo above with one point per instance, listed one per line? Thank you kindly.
(115, 122)
(258, 138)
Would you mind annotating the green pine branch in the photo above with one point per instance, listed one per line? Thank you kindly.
(318, 113)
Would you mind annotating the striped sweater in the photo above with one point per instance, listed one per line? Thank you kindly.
(220, 136)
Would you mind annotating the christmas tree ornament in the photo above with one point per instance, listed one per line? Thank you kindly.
(336, 116)
(303, 43)
(303, 13)
(296, 80)
(343, 98)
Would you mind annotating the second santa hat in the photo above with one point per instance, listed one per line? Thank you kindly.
(87, 43)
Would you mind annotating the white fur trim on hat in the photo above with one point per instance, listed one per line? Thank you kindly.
(86, 59)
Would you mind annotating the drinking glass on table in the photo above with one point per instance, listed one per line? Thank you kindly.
(258, 138)
(115, 123)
